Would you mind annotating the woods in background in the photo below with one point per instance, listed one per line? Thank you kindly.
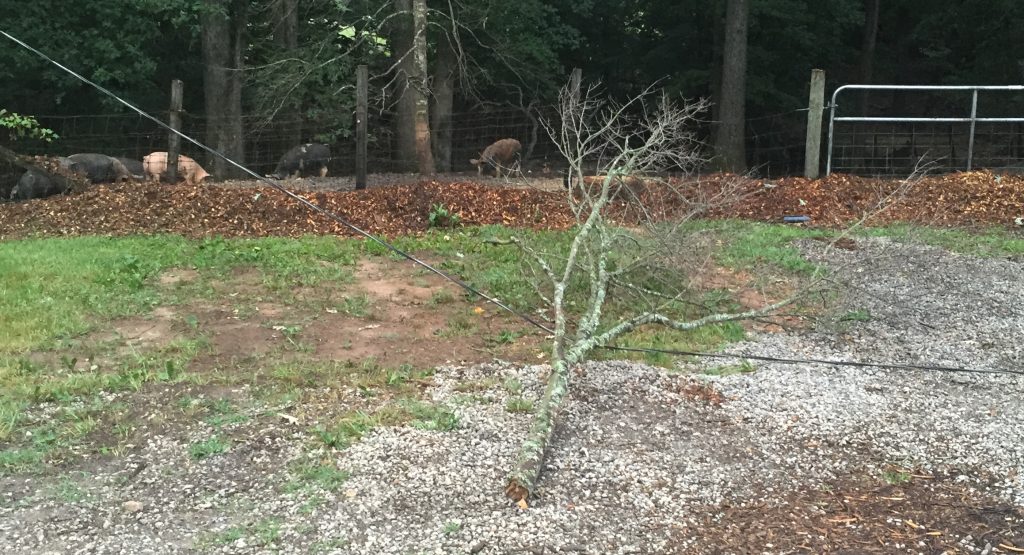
(290, 64)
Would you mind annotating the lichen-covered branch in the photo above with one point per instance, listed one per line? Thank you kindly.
(523, 479)
(655, 318)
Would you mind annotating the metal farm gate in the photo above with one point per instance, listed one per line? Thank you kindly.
(897, 144)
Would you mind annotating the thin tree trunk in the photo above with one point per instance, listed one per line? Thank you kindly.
(405, 116)
(535, 127)
(729, 145)
(867, 51)
(445, 68)
(223, 25)
(424, 153)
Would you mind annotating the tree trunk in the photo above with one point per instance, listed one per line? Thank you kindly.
(223, 35)
(405, 116)
(867, 51)
(286, 37)
(286, 24)
(717, 38)
(445, 71)
(424, 153)
(729, 144)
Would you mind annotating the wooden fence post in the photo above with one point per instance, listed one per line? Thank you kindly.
(815, 110)
(361, 102)
(173, 139)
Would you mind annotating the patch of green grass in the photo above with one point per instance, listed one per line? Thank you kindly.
(224, 413)
(208, 448)
(452, 528)
(428, 416)
(752, 245)
(366, 375)
(357, 306)
(441, 296)
(351, 427)
(227, 537)
(51, 286)
(985, 243)
(68, 491)
(56, 288)
(322, 474)
(706, 338)
(505, 337)
(124, 430)
(895, 477)
(518, 404)
(266, 531)
(346, 430)
(22, 460)
(457, 326)
(513, 386)
(77, 393)
(11, 412)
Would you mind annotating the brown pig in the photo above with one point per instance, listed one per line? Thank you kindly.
(155, 166)
(500, 155)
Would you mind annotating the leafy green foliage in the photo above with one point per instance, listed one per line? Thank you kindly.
(19, 126)
(441, 216)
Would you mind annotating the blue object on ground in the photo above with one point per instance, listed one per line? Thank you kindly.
(796, 219)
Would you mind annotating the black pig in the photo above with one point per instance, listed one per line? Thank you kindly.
(134, 167)
(34, 184)
(303, 161)
(99, 168)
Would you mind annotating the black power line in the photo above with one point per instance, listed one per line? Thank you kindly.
(783, 360)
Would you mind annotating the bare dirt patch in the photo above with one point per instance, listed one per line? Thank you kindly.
(154, 330)
(420, 320)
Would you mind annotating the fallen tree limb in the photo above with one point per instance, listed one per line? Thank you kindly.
(523, 479)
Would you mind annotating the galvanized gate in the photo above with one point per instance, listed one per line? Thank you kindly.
(972, 119)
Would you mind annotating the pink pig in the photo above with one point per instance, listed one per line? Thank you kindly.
(155, 165)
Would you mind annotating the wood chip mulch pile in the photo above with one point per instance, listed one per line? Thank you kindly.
(964, 199)
(968, 199)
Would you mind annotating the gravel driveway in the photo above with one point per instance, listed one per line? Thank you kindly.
(645, 461)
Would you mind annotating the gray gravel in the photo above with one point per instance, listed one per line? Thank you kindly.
(925, 307)
(637, 461)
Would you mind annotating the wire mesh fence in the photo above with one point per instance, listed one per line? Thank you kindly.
(774, 143)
